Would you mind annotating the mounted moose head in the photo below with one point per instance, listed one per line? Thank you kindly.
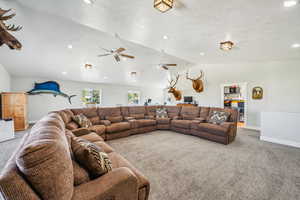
(173, 90)
(197, 83)
(5, 36)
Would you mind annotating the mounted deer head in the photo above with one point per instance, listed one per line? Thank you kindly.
(173, 90)
(197, 83)
(5, 36)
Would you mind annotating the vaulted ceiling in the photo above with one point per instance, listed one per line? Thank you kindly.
(262, 31)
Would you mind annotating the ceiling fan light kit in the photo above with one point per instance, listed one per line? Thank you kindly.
(226, 46)
(88, 66)
(163, 5)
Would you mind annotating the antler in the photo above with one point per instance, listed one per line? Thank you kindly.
(13, 28)
(177, 77)
(201, 75)
(187, 76)
(3, 12)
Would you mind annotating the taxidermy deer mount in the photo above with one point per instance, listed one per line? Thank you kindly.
(197, 83)
(5, 36)
(177, 93)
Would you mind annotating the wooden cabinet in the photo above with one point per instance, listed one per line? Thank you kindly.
(14, 106)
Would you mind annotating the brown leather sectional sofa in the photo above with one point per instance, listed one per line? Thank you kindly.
(43, 166)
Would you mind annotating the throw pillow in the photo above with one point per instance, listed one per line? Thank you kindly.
(161, 113)
(218, 117)
(82, 121)
(115, 119)
(90, 156)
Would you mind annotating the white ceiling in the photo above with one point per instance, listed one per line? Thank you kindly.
(263, 30)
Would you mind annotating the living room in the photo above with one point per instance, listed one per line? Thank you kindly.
(149, 99)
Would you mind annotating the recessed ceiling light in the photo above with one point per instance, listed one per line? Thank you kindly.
(166, 37)
(89, 1)
(70, 46)
(133, 74)
(105, 77)
(64, 73)
(202, 53)
(289, 3)
(296, 45)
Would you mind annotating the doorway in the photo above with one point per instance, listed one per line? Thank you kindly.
(235, 96)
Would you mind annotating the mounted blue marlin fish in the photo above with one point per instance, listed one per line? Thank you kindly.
(49, 87)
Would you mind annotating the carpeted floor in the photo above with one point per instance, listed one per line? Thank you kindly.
(182, 167)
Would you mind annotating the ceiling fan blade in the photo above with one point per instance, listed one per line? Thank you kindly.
(117, 58)
(119, 50)
(165, 67)
(106, 49)
(171, 65)
(127, 56)
(102, 55)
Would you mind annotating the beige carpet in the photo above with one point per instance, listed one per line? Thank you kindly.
(182, 167)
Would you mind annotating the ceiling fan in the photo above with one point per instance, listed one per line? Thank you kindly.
(116, 53)
(166, 66)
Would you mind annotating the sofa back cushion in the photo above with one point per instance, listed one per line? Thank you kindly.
(151, 110)
(90, 113)
(137, 112)
(204, 112)
(45, 159)
(125, 111)
(190, 112)
(173, 111)
(115, 119)
(109, 112)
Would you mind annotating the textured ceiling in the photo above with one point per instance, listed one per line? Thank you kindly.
(262, 30)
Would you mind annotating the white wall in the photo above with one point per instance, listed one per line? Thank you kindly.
(40, 105)
(280, 81)
(4, 80)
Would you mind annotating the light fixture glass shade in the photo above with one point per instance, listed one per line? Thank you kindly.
(163, 5)
(226, 46)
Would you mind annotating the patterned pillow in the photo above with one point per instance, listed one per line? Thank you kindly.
(91, 157)
(82, 121)
(161, 113)
(218, 117)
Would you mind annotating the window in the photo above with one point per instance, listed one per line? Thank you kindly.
(91, 96)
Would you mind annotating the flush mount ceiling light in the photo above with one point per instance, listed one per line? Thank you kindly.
(64, 73)
(88, 66)
(163, 5)
(89, 1)
(165, 37)
(296, 45)
(70, 46)
(202, 54)
(290, 3)
(133, 74)
(226, 46)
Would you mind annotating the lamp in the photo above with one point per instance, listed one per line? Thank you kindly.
(163, 5)
(226, 46)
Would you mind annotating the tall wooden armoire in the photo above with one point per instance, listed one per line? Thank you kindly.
(14, 106)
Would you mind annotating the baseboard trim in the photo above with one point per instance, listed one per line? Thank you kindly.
(255, 128)
(280, 141)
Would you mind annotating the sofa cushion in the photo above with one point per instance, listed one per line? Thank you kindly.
(181, 123)
(204, 112)
(114, 119)
(72, 125)
(173, 111)
(118, 161)
(137, 116)
(92, 137)
(145, 122)
(151, 110)
(163, 120)
(99, 129)
(190, 112)
(45, 159)
(91, 157)
(80, 174)
(82, 121)
(109, 112)
(213, 128)
(90, 113)
(218, 117)
(104, 146)
(117, 127)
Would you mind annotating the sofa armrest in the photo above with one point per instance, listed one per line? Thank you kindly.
(227, 124)
(231, 127)
(119, 184)
(81, 131)
(105, 122)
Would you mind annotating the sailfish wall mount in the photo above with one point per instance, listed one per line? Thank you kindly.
(49, 87)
